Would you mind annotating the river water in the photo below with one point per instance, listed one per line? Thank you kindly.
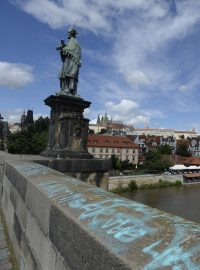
(182, 201)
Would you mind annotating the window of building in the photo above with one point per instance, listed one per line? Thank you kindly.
(106, 150)
(101, 150)
(115, 142)
(127, 157)
(127, 151)
(113, 151)
(93, 150)
(133, 151)
(106, 142)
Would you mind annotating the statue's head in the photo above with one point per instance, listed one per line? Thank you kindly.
(72, 32)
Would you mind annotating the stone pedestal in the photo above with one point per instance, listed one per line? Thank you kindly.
(67, 142)
(68, 130)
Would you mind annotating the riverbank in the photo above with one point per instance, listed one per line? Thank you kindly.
(133, 186)
(145, 181)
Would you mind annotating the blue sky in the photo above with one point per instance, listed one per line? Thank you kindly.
(140, 58)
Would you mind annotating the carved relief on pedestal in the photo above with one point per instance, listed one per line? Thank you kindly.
(76, 144)
(70, 115)
(77, 134)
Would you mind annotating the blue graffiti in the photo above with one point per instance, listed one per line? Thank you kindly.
(173, 255)
(108, 215)
(31, 169)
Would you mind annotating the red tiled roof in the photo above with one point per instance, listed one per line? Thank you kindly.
(192, 175)
(188, 160)
(110, 141)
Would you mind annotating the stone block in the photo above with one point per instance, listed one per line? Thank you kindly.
(43, 249)
(29, 261)
(13, 196)
(60, 264)
(6, 185)
(78, 247)
(17, 229)
(39, 206)
(21, 212)
(10, 214)
(80, 165)
(17, 180)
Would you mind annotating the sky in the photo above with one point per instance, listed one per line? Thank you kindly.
(140, 58)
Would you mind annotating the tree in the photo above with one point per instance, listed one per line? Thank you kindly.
(116, 164)
(32, 141)
(182, 149)
(165, 149)
(91, 131)
(126, 165)
(155, 161)
(103, 131)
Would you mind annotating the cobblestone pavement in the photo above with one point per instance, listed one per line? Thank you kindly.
(4, 251)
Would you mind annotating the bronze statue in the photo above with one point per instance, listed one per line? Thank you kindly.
(71, 57)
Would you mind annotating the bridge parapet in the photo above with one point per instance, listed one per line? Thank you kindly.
(58, 222)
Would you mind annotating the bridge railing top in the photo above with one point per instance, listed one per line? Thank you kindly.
(139, 235)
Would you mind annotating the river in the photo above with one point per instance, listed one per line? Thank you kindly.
(182, 201)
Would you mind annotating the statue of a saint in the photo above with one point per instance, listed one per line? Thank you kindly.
(71, 57)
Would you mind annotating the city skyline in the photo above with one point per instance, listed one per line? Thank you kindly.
(139, 58)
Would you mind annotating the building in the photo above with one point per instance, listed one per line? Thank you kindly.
(142, 147)
(194, 146)
(171, 141)
(188, 161)
(101, 146)
(109, 126)
(26, 119)
(165, 132)
(4, 131)
(15, 127)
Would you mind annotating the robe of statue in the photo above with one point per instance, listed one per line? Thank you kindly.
(71, 57)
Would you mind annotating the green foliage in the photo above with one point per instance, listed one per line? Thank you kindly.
(103, 131)
(120, 165)
(155, 161)
(91, 131)
(114, 160)
(132, 185)
(32, 141)
(178, 183)
(161, 184)
(165, 149)
(182, 149)
(126, 165)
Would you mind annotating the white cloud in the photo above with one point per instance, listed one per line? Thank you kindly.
(15, 75)
(59, 14)
(183, 88)
(141, 34)
(14, 115)
(137, 78)
(87, 112)
(130, 112)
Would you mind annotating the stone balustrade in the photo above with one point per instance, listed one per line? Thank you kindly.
(57, 222)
